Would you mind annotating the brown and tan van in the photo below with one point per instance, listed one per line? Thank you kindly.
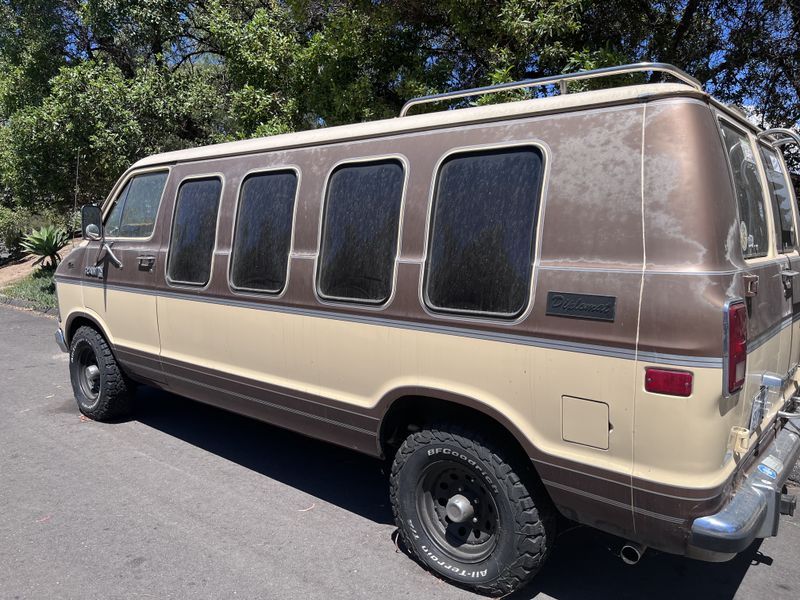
(586, 304)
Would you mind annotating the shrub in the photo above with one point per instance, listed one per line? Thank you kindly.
(13, 225)
(46, 243)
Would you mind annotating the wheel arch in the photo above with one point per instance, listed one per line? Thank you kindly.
(78, 319)
(412, 408)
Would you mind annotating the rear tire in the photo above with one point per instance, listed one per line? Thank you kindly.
(102, 390)
(468, 513)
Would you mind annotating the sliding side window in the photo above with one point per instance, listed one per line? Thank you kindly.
(360, 231)
(483, 229)
(194, 227)
(264, 232)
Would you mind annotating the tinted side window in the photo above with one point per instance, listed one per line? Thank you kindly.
(194, 229)
(359, 231)
(749, 193)
(135, 210)
(481, 243)
(781, 200)
(263, 231)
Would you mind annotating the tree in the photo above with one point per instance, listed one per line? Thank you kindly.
(110, 81)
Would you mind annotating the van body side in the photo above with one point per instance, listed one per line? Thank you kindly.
(636, 257)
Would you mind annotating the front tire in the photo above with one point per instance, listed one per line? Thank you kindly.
(468, 513)
(102, 390)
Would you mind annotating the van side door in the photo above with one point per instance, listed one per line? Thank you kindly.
(120, 273)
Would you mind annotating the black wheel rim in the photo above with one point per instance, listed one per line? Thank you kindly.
(471, 540)
(88, 372)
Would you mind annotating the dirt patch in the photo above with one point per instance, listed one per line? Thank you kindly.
(16, 270)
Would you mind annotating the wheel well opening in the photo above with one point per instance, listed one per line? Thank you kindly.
(412, 413)
(79, 322)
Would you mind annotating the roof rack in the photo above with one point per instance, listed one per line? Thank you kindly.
(789, 136)
(561, 80)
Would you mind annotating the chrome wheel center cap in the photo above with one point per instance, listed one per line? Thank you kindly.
(459, 509)
(92, 374)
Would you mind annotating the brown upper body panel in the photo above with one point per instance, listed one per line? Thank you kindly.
(623, 184)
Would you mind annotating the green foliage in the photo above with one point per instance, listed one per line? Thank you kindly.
(13, 225)
(38, 288)
(87, 87)
(46, 243)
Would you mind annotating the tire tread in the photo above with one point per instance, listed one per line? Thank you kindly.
(534, 515)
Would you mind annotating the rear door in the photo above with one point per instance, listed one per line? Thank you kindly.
(783, 210)
(120, 272)
(768, 333)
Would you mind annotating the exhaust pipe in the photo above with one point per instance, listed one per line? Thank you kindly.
(632, 552)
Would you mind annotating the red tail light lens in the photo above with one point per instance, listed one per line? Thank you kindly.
(737, 346)
(666, 381)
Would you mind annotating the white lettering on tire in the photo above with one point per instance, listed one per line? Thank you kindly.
(449, 452)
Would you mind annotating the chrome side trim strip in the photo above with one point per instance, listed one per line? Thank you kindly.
(647, 272)
(712, 362)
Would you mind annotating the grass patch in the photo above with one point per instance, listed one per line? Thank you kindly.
(38, 288)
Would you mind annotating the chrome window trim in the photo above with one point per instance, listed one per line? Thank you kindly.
(195, 286)
(510, 319)
(254, 173)
(765, 147)
(770, 254)
(109, 202)
(365, 304)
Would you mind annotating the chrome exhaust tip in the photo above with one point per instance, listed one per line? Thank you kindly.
(632, 552)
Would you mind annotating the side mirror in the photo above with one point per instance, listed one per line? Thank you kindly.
(92, 222)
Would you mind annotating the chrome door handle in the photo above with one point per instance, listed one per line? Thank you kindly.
(750, 285)
(106, 247)
(788, 281)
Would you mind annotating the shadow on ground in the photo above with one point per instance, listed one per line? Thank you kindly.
(583, 565)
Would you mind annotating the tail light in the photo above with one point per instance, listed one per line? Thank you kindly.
(736, 348)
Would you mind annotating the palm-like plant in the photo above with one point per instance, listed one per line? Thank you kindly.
(46, 243)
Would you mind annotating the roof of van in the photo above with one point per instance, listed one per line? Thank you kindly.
(444, 118)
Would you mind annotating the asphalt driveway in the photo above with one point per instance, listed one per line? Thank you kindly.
(186, 501)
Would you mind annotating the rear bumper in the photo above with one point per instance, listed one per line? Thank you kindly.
(754, 510)
(62, 343)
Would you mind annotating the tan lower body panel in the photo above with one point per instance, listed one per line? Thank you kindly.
(332, 378)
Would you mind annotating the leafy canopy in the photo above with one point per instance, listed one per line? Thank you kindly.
(89, 86)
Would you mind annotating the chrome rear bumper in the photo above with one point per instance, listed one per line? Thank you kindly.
(62, 343)
(755, 508)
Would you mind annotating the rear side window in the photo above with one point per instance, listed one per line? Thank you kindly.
(481, 243)
(781, 200)
(360, 231)
(135, 210)
(753, 232)
(264, 231)
(194, 227)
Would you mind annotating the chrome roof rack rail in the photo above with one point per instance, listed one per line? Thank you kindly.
(561, 80)
(789, 136)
